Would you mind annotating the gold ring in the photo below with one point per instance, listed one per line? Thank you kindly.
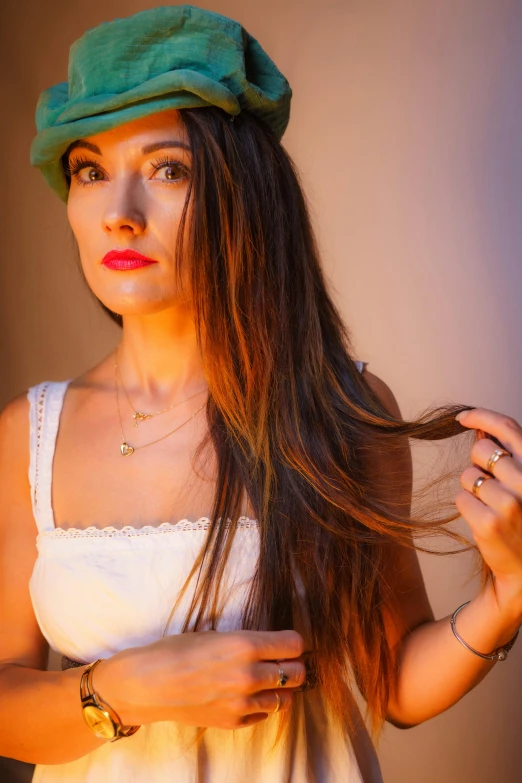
(478, 482)
(497, 454)
(278, 705)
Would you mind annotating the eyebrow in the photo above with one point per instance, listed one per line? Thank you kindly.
(154, 147)
(160, 145)
(82, 144)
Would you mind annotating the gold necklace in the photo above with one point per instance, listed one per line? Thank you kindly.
(125, 449)
(137, 416)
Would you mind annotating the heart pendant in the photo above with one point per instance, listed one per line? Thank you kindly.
(126, 450)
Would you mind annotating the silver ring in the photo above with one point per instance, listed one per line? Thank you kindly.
(278, 705)
(283, 678)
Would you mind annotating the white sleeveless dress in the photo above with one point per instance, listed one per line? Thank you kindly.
(98, 591)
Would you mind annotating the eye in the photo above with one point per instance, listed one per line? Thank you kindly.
(168, 170)
(84, 171)
(93, 174)
(90, 174)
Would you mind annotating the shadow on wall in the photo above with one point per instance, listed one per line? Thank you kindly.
(12, 771)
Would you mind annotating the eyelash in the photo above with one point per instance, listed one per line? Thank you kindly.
(74, 168)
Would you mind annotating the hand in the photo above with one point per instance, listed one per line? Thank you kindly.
(223, 680)
(495, 515)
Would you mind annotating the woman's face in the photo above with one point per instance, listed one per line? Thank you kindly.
(128, 187)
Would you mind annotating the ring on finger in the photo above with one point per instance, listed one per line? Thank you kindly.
(283, 678)
(278, 705)
(497, 454)
(478, 482)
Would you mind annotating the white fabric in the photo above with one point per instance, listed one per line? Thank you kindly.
(98, 591)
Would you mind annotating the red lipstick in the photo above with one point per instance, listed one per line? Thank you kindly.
(123, 260)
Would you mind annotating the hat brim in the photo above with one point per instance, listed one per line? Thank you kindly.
(103, 112)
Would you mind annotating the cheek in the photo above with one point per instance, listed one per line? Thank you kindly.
(82, 219)
(163, 221)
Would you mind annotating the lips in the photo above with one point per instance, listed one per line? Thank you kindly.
(123, 260)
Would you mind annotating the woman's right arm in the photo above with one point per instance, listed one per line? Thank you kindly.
(40, 720)
(202, 679)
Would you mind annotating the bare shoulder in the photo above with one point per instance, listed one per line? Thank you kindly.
(15, 407)
(383, 392)
(99, 376)
(21, 640)
(14, 433)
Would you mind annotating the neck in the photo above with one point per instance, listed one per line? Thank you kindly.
(159, 360)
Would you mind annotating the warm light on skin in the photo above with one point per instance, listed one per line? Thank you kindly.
(126, 202)
(135, 202)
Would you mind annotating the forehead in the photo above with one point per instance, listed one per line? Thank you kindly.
(162, 126)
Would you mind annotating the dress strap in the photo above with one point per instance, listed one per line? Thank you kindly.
(45, 405)
(360, 364)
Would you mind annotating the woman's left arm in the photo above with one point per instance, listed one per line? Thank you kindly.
(435, 669)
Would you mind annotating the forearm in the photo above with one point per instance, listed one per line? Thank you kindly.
(436, 670)
(41, 720)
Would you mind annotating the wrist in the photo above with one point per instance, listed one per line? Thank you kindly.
(100, 717)
(502, 621)
(113, 684)
(508, 601)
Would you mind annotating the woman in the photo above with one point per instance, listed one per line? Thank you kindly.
(228, 467)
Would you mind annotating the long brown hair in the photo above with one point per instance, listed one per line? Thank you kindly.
(290, 417)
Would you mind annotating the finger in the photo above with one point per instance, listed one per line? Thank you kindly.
(499, 543)
(501, 426)
(273, 645)
(266, 674)
(249, 720)
(504, 503)
(267, 702)
(505, 469)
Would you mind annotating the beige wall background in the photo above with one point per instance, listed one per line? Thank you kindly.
(406, 125)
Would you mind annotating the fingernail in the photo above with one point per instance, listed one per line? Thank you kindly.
(249, 720)
(460, 415)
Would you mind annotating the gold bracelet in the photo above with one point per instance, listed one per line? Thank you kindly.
(102, 720)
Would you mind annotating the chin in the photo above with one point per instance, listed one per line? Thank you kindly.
(139, 305)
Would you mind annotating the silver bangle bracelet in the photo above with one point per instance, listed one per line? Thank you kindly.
(500, 654)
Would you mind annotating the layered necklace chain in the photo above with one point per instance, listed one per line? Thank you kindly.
(126, 449)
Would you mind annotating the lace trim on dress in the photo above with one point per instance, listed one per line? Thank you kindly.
(128, 530)
(31, 396)
(46, 403)
(46, 400)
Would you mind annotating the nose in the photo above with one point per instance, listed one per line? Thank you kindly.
(124, 213)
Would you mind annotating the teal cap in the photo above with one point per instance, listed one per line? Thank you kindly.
(178, 56)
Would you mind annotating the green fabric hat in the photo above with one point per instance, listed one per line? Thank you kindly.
(178, 56)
